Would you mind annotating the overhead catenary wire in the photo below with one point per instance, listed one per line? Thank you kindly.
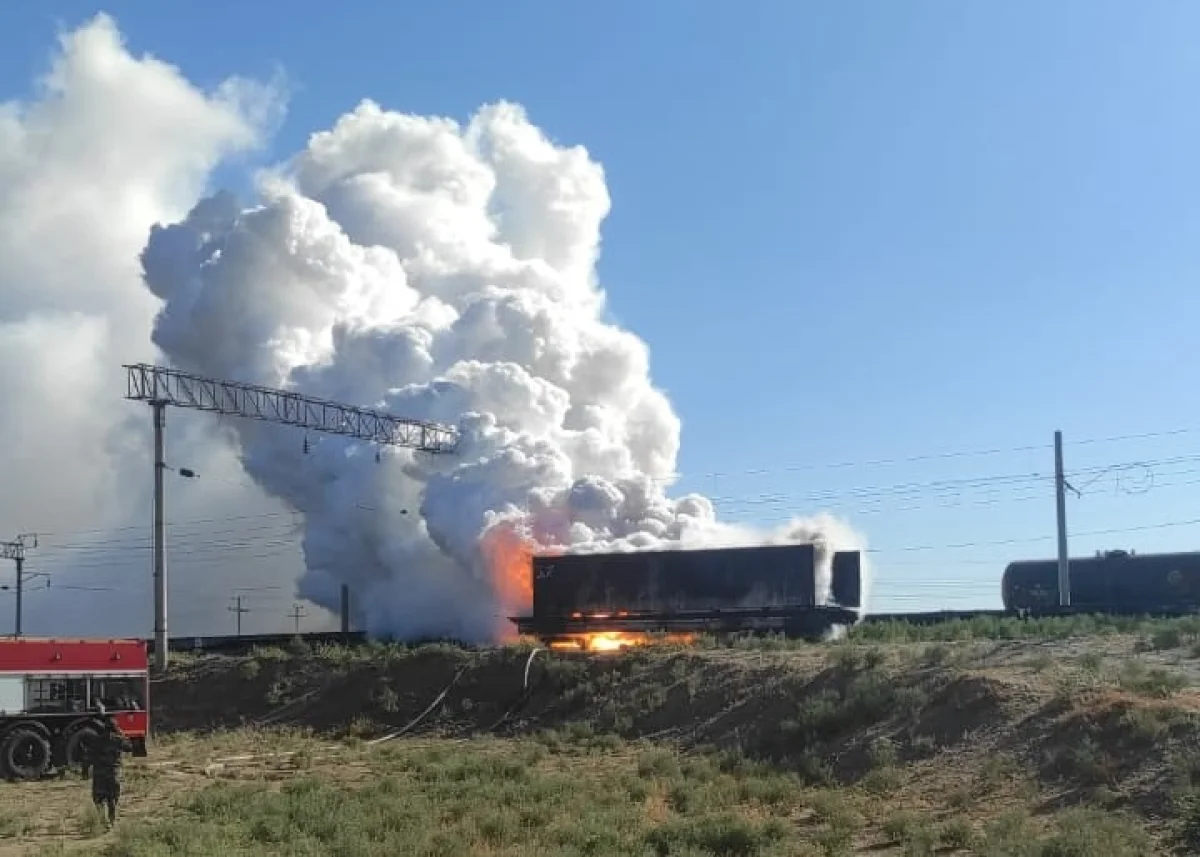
(204, 541)
(781, 468)
(935, 455)
(1190, 522)
(1022, 540)
(1023, 482)
(254, 549)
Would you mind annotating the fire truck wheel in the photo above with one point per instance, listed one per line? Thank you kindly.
(76, 744)
(25, 754)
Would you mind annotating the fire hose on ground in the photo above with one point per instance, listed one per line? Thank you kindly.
(294, 706)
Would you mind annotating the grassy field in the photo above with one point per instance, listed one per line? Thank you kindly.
(568, 793)
(1073, 737)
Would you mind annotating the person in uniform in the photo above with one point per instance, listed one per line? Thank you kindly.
(103, 759)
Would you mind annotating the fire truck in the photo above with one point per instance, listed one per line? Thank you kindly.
(52, 692)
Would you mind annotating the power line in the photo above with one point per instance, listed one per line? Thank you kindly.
(106, 553)
(143, 543)
(143, 527)
(932, 456)
(248, 555)
(277, 539)
(1030, 539)
(785, 468)
(993, 483)
(952, 494)
(1019, 539)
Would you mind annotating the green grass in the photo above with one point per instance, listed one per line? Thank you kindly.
(585, 789)
(12, 824)
(1158, 634)
(1161, 633)
(1082, 832)
(496, 798)
(576, 796)
(1135, 677)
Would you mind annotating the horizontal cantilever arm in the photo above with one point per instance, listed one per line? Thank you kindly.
(161, 385)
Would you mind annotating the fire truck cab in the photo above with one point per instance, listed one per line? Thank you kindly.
(51, 692)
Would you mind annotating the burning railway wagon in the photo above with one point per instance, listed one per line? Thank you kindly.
(606, 600)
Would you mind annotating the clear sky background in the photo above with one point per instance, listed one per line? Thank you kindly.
(853, 234)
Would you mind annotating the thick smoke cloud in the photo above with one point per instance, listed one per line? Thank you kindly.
(444, 272)
(104, 146)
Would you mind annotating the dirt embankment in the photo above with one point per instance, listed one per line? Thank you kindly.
(834, 714)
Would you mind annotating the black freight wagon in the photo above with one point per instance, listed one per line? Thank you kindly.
(743, 588)
(1116, 582)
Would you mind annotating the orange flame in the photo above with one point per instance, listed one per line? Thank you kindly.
(509, 558)
(615, 641)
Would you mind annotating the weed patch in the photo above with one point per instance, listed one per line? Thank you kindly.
(1135, 677)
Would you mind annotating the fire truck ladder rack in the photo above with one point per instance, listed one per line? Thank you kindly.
(161, 386)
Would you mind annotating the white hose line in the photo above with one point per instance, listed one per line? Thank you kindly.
(380, 740)
(422, 715)
(528, 664)
(286, 709)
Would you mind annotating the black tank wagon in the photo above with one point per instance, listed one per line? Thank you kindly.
(1112, 582)
(768, 587)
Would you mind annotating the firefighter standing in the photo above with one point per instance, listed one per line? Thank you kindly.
(103, 758)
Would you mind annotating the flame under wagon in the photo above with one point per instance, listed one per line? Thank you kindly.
(769, 588)
(51, 691)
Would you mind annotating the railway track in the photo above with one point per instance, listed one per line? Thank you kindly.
(231, 644)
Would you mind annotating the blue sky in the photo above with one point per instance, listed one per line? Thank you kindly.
(849, 231)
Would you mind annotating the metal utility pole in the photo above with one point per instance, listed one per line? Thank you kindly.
(160, 386)
(239, 610)
(1060, 498)
(297, 614)
(20, 563)
(15, 550)
(160, 559)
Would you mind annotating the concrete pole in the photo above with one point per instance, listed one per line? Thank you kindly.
(20, 560)
(160, 563)
(1060, 497)
(345, 613)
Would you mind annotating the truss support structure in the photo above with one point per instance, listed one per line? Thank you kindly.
(178, 389)
(162, 387)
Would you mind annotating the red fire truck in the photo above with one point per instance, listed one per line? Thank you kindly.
(51, 693)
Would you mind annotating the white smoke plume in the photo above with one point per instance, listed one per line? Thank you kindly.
(105, 145)
(445, 272)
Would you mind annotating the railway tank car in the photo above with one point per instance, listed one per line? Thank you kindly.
(1113, 581)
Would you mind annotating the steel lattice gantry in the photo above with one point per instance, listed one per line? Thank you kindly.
(158, 384)
(161, 387)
